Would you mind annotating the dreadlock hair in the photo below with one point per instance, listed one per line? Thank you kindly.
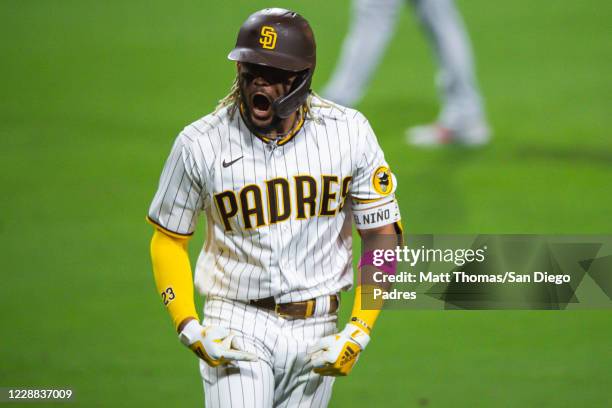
(232, 99)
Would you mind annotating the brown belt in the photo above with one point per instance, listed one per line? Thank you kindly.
(294, 310)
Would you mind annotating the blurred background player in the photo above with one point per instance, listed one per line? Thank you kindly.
(462, 118)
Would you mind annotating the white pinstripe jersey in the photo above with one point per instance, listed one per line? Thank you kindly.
(277, 223)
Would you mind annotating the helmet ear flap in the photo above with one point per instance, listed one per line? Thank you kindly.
(284, 106)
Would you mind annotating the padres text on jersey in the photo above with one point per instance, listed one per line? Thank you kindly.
(278, 214)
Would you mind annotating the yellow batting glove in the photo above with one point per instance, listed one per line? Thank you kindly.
(213, 344)
(336, 355)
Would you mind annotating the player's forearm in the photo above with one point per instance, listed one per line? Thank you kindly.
(365, 315)
(364, 318)
(173, 279)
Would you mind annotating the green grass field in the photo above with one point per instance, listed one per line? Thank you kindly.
(93, 94)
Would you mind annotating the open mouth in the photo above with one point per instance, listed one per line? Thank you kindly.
(262, 105)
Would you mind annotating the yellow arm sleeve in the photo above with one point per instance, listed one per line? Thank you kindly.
(360, 317)
(173, 278)
(371, 239)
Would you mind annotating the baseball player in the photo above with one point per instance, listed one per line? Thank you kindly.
(281, 175)
(462, 118)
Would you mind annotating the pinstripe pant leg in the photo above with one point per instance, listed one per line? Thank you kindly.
(296, 384)
(249, 384)
(246, 384)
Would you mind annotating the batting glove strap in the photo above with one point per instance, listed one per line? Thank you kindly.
(356, 334)
(191, 333)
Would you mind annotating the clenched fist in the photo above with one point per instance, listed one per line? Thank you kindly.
(336, 355)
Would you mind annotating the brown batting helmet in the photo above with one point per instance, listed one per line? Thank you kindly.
(281, 39)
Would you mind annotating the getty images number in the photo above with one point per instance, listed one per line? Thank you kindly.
(39, 394)
(167, 296)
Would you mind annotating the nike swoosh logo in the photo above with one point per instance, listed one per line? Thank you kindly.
(232, 162)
